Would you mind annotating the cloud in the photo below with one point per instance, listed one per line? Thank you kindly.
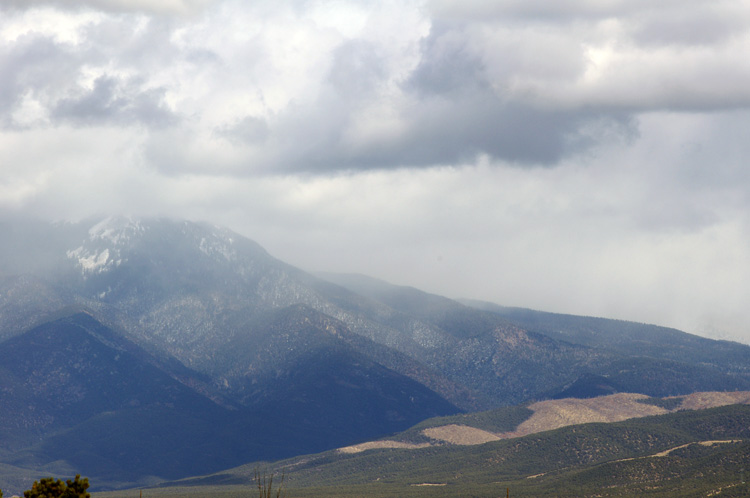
(311, 87)
(114, 101)
(632, 55)
(291, 96)
(82, 72)
(248, 130)
(566, 12)
(27, 71)
(146, 6)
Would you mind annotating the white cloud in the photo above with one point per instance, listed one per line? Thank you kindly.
(146, 6)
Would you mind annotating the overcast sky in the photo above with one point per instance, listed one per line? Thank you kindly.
(579, 156)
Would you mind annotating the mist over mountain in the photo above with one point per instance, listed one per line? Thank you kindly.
(152, 344)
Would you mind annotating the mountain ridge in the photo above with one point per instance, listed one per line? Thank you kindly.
(334, 363)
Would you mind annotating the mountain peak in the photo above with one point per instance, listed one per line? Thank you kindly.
(116, 229)
(110, 242)
(102, 250)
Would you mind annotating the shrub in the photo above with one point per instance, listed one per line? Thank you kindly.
(265, 486)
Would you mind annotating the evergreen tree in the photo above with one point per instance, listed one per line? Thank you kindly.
(55, 488)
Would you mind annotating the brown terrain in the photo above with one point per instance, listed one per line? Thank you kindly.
(460, 434)
(553, 414)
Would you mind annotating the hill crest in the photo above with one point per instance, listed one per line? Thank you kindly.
(549, 415)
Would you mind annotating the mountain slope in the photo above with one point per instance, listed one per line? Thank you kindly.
(291, 362)
(629, 338)
(316, 372)
(65, 371)
(596, 356)
(63, 374)
(77, 395)
(186, 290)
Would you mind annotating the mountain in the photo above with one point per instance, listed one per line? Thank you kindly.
(79, 396)
(627, 338)
(63, 372)
(292, 362)
(591, 356)
(76, 391)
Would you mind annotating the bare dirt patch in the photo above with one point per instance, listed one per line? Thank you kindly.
(460, 434)
(375, 445)
(670, 450)
(700, 401)
(553, 414)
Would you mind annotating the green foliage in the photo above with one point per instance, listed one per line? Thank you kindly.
(504, 419)
(55, 488)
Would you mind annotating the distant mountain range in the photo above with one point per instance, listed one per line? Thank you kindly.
(136, 350)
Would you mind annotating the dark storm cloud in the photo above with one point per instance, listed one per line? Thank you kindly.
(461, 114)
(447, 65)
(482, 85)
(459, 130)
(116, 102)
(485, 81)
(454, 115)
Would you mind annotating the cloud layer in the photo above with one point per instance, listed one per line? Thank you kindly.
(326, 86)
(579, 156)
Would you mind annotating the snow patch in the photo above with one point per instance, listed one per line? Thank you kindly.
(216, 247)
(106, 240)
(91, 262)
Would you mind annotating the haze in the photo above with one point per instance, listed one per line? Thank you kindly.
(576, 156)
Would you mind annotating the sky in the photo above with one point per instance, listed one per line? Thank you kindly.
(576, 156)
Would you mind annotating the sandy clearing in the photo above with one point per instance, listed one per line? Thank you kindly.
(460, 434)
(553, 414)
(670, 450)
(375, 445)
(699, 401)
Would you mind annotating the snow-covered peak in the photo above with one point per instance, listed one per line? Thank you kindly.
(116, 240)
(116, 229)
(102, 251)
